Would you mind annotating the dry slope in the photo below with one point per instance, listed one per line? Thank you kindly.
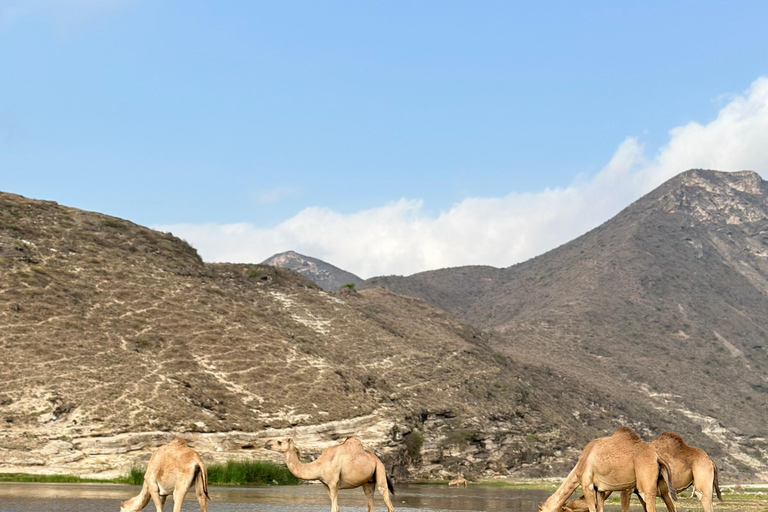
(115, 336)
(667, 303)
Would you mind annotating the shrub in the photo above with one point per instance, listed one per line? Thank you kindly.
(414, 441)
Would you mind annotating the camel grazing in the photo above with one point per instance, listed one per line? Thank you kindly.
(173, 468)
(689, 465)
(344, 466)
(614, 463)
(458, 482)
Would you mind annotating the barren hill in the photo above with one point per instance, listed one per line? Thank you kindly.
(116, 337)
(669, 298)
(325, 275)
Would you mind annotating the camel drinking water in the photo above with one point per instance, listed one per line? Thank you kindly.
(615, 463)
(689, 465)
(458, 482)
(344, 466)
(173, 469)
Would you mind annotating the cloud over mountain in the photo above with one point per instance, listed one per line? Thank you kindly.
(402, 238)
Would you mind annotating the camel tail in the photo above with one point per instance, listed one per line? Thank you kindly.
(715, 481)
(666, 472)
(381, 477)
(202, 474)
(391, 487)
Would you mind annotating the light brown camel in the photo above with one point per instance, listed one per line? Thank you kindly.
(688, 464)
(173, 468)
(614, 463)
(458, 482)
(344, 466)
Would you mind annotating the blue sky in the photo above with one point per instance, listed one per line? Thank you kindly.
(265, 114)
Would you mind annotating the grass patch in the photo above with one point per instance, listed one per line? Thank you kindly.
(231, 473)
(250, 473)
(24, 477)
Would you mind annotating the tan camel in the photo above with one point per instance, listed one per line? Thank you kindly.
(344, 466)
(458, 482)
(614, 463)
(688, 464)
(173, 468)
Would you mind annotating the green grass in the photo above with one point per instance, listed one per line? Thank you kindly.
(231, 473)
(250, 473)
(23, 477)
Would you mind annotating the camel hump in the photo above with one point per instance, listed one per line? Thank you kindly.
(671, 437)
(179, 442)
(627, 432)
(353, 442)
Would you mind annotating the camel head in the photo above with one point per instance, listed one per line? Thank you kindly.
(281, 444)
(128, 505)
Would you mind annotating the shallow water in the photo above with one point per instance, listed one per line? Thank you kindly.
(38, 497)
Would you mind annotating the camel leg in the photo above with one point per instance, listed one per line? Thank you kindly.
(590, 496)
(664, 492)
(158, 500)
(601, 496)
(647, 495)
(181, 490)
(200, 494)
(381, 484)
(703, 484)
(333, 493)
(368, 489)
(626, 496)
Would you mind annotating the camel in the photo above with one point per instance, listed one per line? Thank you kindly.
(614, 463)
(344, 466)
(688, 464)
(173, 468)
(458, 482)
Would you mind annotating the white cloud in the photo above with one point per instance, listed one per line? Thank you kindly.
(401, 238)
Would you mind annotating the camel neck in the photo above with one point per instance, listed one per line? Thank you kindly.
(298, 468)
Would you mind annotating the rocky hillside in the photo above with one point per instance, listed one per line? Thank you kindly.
(116, 337)
(325, 275)
(668, 299)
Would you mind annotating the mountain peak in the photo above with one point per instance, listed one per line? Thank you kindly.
(714, 196)
(323, 274)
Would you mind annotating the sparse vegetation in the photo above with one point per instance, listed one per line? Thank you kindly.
(250, 473)
(349, 286)
(253, 273)
(116, 224)
(460, 437)
(414, 442)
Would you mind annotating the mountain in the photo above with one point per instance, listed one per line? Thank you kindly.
(325, 275)
(116, 337)
(669, 298)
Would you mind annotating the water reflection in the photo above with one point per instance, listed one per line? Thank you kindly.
(34, 497)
